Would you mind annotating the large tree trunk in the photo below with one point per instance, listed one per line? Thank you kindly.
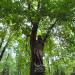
(37, 67)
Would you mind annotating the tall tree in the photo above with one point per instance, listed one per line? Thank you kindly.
(16, 13)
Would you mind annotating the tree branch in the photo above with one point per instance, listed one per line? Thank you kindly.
(1, 41)
(38, 7)
(48, 32)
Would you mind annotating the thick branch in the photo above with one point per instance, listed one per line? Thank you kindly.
(48, 32)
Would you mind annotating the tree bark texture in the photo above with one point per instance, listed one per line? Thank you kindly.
(37, 67)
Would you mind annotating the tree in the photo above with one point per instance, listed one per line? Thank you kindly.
(3, 34)
(18, 14)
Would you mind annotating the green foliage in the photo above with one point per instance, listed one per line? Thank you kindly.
(59, 49)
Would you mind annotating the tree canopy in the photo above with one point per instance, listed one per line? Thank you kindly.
(54, 20)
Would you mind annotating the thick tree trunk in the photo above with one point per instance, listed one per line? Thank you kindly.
(37, 67)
